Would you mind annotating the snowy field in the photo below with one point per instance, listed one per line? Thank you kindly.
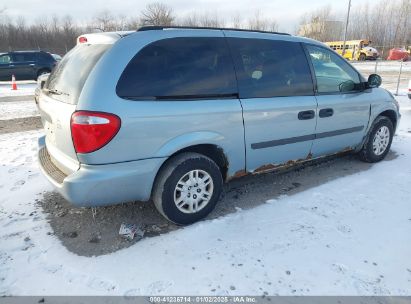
(18, 109)
(348, 236)
(24, 88)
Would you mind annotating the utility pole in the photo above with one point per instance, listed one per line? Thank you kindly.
(346, 26)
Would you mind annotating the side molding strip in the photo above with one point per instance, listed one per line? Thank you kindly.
(292, 140)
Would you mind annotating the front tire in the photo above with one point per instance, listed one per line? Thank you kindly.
(187, 188)
(378, 142)
(363, 57)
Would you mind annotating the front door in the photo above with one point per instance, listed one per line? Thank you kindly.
(276, 93)
(5, 67)
(343, 105)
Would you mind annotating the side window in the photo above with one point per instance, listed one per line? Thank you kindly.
(30, 57)
(18, 57)
(333, 73)
(5, 59)
(270, 68)
(24, 57)
(180, 68)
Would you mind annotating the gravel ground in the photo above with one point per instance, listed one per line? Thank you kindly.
(16, 98)
(86, 234)
(17, 124)
(20, 124)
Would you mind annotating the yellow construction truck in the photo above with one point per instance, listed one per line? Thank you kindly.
(355, 49)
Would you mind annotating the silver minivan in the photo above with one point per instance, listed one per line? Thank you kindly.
(168, 114)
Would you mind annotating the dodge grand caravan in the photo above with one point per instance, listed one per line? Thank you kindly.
(169, 114)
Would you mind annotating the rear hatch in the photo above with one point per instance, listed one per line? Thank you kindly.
(58, 101)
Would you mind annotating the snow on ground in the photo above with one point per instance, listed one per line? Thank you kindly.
(26, 87)
(18, 109)
(382, 66)
(350, 236)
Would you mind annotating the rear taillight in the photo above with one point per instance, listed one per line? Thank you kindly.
(93, 130)
(82, 39)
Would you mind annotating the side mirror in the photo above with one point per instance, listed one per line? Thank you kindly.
(374, 81)
(347, 86)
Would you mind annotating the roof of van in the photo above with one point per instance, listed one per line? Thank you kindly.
(159, 27)
(112, 37)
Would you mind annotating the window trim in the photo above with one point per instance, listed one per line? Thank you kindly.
(360, 77)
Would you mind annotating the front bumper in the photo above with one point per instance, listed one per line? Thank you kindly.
(100, 185)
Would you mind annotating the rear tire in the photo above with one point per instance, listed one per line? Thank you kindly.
(378, 142)
(363, 57)
(187, 188)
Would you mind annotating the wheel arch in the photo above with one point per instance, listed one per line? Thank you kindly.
(391, 115)
(212, 151)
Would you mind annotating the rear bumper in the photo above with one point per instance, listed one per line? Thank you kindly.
(100, 185)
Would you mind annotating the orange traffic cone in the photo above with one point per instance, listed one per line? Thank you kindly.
(13, 83)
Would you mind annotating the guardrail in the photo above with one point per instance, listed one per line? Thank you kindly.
(395, 74)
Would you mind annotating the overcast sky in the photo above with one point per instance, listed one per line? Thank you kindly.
(285, 12)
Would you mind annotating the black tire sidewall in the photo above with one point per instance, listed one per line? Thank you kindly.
(169, 208)
(369, 149)
(42, 72)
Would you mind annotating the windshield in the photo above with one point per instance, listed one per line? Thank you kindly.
(67, 80)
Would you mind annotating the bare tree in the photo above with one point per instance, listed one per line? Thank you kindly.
(236, 21)
(157, 14)
(386, 24)
(260, 23)
(191, 19)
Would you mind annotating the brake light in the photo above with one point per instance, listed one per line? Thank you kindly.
(93, 130)
(82, 39)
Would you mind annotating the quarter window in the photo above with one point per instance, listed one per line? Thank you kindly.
(44, 57)
(333, 74)
(180, 68)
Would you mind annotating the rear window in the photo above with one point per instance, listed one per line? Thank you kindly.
(44, 57)
(67, 79)
(180, 68)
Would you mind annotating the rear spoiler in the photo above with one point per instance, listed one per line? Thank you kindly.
(102, 38)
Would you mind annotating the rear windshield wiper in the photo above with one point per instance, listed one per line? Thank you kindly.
(56, 92)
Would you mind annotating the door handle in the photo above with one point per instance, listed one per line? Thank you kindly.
(305, 115)
(326, 112)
